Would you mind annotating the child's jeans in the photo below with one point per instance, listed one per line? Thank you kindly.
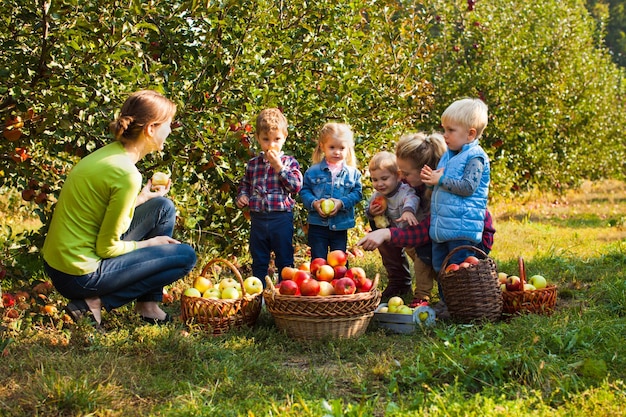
(323, 240)
(271, 232)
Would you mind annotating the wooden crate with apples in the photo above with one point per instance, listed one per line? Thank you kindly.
(219, 315)
(521, 296)
(470, 289)
(307, 309)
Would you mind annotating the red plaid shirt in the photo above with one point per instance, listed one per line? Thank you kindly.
(415, 236)
(268, 190)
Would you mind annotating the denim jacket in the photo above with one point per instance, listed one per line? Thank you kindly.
(319, 183)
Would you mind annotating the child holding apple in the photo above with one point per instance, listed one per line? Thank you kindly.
(268, 187)
(332, 180)
(460, 182)
(393, 203)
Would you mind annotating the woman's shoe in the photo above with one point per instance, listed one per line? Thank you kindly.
(167, 319)
(77, 309)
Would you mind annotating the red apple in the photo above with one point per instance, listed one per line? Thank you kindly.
(306, 266)
(464, 264)
(366, 285)
(340, 271)
(472, 260)
(337, 257)
(452, 268)
(345, 286)
(514, 283)
(310, 287)
(300, 276)
(288, 287)
(357, 274)
(315, 264)
(325, 273)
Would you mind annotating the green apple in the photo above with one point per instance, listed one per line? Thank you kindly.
(395, 301)
(392, 309)
(538, 281)
(212, 293)
(230, 293)
(404, 309)
(228, 283)
(327, 205)
(253, 285)
(529, 287)
(192, 292)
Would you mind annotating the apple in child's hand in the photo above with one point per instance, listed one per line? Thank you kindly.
(538, 281)
(315, 264)
(325, 273)
(160, 179)
(310, 287)
(337, 257)
(327, 205)
(380, 201)
(344, 286)
(288, 287)
(253, 285)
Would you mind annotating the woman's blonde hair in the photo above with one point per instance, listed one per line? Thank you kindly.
(341, 131)
(142, 108)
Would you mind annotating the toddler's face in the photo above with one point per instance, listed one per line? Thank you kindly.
(272, 139)
(409, 172)
(457, 135)
(335, 150)
(384, 181)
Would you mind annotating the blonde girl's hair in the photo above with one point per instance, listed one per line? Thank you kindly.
(422, 149)
(468, 112)
(141, 109)
(340, 131)
(271, 119)
(384, 161)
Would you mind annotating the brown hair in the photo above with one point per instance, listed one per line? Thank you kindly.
(341, 131)
(141, 109)
(271, 119)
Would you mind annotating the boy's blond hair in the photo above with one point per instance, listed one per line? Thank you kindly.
(340, 131)
(384, 161)
(471, 113)
(271, 119)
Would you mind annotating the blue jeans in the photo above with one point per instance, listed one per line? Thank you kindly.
(322, 240)
(269, 232)
(138, 275)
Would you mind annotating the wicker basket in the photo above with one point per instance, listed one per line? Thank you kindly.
(219, 316)
(335, 316)
(541, 301)
(472, 293)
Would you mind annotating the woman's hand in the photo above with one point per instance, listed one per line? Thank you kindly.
(149, 192)
(156, 241)
(374, 239)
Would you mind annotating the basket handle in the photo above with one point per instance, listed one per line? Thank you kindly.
(522, 270)
(229, 264)
(455, 250)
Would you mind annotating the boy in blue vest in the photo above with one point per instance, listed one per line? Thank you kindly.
(460, 183)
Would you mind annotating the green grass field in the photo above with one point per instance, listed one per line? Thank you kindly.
(572, 363)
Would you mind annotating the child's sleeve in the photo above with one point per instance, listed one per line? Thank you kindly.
(244, 184)
(411, 201)
(306, 192)
(355, 195)
(469, 182)
(291, 176)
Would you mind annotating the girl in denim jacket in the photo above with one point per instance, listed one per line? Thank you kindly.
(334, 177)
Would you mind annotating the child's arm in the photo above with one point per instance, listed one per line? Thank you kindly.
(464, 186)
(410, 205)
(290, 175)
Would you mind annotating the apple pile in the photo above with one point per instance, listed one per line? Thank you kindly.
(515, 283)
(467, 263)
(225, 289)
(324, 277)
(396, 305)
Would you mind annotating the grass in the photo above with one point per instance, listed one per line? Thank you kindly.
(572, 363)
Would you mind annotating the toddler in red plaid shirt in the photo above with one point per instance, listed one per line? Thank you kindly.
(267, 189)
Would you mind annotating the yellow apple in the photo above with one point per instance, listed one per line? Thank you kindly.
(202, 284)
(327, 205)
(230, 293)
(212, 294)
(228, 283)
(383, 310)
(395, 302)
(192, 292)
(326, 288)
(160, 178)
(253, 285)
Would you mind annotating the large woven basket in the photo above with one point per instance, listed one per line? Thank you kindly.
(541, 301)
(472, 293)
(334, 316)
(219, 316)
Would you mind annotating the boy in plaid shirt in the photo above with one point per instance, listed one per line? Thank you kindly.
(267, 189)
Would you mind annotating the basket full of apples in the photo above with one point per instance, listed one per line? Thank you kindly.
(222, 301)
(470, 288)
(323, 298)
(520, 295)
